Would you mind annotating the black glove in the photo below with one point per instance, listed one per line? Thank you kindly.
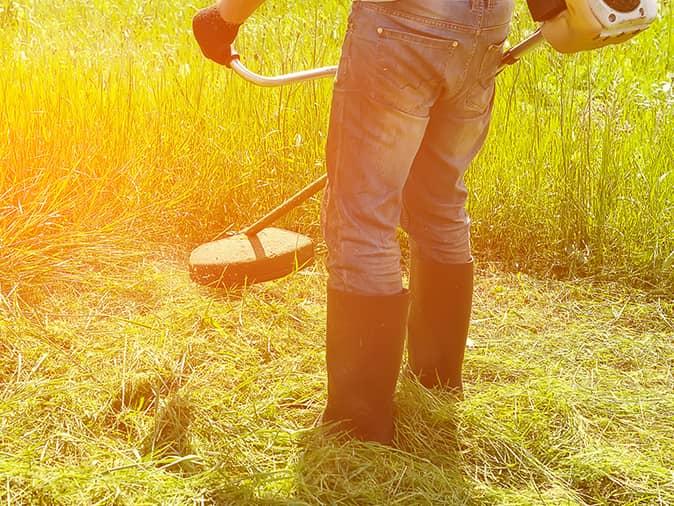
(214, 35)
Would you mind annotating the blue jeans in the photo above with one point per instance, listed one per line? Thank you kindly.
(411, 108)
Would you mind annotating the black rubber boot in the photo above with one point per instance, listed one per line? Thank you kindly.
(441, 302)
(365, 341)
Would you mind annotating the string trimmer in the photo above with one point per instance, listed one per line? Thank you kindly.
(262, 253)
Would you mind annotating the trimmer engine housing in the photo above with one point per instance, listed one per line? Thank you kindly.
(620, 17)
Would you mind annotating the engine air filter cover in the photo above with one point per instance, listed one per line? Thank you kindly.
(620, 17)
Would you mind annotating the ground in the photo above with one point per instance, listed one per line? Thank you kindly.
(142, 388)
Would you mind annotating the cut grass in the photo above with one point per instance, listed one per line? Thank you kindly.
(151, 390)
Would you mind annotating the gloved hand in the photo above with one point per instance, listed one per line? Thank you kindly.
(214, 35)
(578, 29)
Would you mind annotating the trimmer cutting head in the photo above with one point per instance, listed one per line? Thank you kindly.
(242, 260)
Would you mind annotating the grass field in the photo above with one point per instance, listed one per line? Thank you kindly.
(123, 383)
(159, 392)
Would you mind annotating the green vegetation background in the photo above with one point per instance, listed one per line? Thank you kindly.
(117, 134)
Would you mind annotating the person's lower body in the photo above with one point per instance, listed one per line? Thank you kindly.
(411, 109)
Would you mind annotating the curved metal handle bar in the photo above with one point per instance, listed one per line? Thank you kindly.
(510, 57)
(282, 80)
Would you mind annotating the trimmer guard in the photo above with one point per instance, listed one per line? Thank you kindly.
(244, 260)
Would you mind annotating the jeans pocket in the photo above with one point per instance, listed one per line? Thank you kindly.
(481, 92)
(409, 69)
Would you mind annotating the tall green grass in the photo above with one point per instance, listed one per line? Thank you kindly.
(578, 175)
(116, 137)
